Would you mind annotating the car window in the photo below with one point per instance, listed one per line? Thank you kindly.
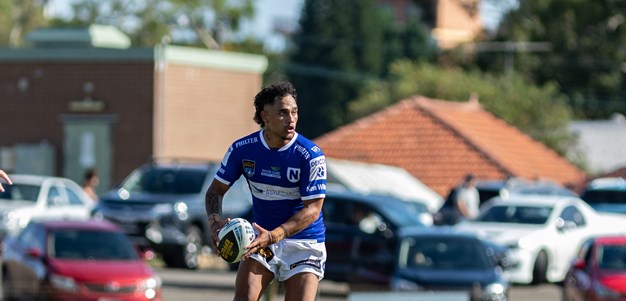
(335, 211)
(20, 192)
(604, 196)
(536, 215)
(55, 197)
(612, 257)
(73, 198)
(443, 254)
(166, 181)
(91, 244)
(572, 214)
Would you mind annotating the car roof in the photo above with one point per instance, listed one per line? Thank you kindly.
(434, 232)
(33, 179)
(611, 239)
(92, 224)
(608, 183)
(535, 200)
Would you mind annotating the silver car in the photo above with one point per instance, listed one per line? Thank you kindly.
(35, 197)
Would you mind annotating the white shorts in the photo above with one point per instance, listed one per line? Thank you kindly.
(292, 256)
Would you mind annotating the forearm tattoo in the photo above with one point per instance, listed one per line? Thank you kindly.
(213, 204)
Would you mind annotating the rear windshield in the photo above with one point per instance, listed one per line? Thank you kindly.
(516, 214)
(20, 192)
(604, 196)
(166, 181)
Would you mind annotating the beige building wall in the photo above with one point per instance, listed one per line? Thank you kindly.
(457, 21)
(203, 109)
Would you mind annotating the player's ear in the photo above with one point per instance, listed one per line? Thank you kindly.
(264, 116)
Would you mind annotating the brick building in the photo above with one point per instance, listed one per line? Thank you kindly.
(81, 98)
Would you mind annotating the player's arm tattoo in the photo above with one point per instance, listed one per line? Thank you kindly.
(213, 203)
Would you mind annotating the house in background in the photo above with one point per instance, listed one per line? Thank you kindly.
(602, 143)
(439, 142)
(81, 98)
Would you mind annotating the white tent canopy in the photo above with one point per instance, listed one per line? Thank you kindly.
(381, 179)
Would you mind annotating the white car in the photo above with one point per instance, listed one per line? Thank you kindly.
(34, 197)
(541, 232)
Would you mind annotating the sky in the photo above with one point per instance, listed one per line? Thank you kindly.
(276, 12)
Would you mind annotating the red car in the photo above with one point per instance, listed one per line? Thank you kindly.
(599, 271)
(75, 260)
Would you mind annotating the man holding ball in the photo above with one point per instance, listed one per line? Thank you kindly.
(286, 174)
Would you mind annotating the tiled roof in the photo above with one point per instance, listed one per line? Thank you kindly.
(439, 142)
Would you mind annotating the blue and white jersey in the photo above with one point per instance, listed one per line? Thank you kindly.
(279, 179)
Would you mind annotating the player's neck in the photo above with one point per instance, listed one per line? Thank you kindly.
(274, 141)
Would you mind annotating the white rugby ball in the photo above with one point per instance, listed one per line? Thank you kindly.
(233, 238)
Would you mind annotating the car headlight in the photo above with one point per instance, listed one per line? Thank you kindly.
(604, 292)
(63, 283)
(494, 292)
(181, 210)
(150, 286)
(400, 284)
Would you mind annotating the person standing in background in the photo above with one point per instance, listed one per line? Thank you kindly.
(90, 182)
(467, 199)
(5, 177)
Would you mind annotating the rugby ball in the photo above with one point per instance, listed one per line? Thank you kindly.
(233, 238)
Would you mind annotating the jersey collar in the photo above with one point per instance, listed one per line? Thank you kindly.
(293, 140)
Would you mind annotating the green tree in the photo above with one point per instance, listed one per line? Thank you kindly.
(18, 17)
(147, 22)
(341, 45)
(540, 111)
(587, 38)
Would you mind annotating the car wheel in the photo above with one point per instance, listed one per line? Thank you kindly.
(540, 268)
(187, 255)
(6, 288)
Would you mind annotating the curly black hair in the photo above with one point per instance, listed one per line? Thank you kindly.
(269, 95)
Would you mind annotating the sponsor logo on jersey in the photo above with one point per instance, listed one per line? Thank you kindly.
(315, 149)
(318, 169)
(248, 167)
(293, 174)
(273, 193)
(270, 173)
(303, 151)
(246, 141)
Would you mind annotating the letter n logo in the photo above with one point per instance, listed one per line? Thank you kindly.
(293, 174)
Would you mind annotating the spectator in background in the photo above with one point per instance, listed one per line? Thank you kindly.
(467, 199)
(5, 177)
(90, 183)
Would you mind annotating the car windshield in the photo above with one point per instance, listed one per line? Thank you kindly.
(441, 253)
(20, 192)
(402, 213)
(535, 215)
(612, 257)
(604, 197)
(91, 244)
(166, 181)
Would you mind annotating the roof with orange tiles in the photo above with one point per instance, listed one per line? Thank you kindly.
(439, 142)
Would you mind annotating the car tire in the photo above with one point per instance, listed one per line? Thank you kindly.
(188, 255)
(540, 268)
(6, 291)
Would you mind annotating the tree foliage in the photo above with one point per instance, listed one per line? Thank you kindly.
(539, 111)
(18, 17)
(341, 45)
(587, 38)
(147, 22)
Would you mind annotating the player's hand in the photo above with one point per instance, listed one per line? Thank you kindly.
(215, 228)
(5, 177)
(262, 240)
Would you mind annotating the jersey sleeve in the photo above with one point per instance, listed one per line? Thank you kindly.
(313, 184)
(230, 169)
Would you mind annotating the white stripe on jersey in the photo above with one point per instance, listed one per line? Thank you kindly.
(274, 193)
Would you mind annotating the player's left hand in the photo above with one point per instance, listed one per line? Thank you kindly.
(262, 240)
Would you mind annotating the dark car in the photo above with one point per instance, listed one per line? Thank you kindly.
(161, 207)
(75, 260)
(606, 195)
(445, 260)
(361, 235)
(598, 273)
